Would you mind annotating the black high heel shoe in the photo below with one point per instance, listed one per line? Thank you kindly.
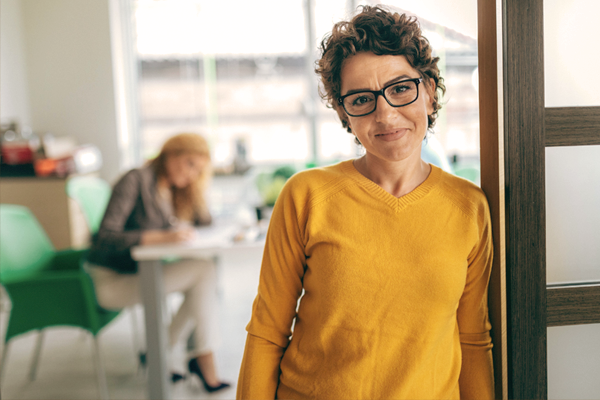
(175, 377)
(194, 368)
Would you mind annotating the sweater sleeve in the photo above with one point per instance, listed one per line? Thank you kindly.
(274, 308)
(112, 235)
(477, 376)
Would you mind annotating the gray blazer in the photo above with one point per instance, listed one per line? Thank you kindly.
(134, 207)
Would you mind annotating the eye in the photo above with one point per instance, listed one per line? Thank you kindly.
(361, 100)
(400, 88)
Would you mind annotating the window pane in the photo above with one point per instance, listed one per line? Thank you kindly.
(451, 28)
(197, 73)
(574, 362)
(572, 214)
(571, 33)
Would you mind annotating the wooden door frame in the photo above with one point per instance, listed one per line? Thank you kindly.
(525, 157)
(492, 175)
(515, 129)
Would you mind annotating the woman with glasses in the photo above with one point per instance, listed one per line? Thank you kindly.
(375, 271)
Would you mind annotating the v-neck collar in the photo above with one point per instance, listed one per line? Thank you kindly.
(396, 203)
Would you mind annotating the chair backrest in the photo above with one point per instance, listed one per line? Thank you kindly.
(24, 246)
(92, 195)
(471, 173)
(433, 152)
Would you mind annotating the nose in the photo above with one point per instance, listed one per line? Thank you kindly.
(383, 110)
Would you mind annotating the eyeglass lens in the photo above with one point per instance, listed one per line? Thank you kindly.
(398, 94)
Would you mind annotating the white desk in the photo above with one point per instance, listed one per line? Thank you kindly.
(210, 242)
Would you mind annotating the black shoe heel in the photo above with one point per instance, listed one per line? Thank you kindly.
(175, 377)
(194, 368)
(142, 359)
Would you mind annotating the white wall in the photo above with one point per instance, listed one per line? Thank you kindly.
(69, 84)
(14, 96)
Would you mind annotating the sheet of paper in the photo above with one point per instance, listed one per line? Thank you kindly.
(214, 236)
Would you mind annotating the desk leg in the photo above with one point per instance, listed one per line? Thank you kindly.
(151, 276)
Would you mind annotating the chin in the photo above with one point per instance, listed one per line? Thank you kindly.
(180, 185)
(399, 154)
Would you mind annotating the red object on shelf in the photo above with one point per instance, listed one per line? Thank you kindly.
(17, 153)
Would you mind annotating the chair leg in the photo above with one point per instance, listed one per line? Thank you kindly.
(35, 361)
(3, 362)
(102, 386)
(138, 351)
(135, 332)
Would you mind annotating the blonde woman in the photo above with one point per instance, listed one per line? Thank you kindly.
(161, 203)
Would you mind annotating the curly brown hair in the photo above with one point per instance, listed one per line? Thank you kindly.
(376, 30)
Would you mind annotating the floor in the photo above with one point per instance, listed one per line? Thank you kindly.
(66, 368)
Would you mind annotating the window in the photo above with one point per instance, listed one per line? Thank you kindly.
(242, 74)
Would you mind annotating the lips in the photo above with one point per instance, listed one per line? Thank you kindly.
(392, 135)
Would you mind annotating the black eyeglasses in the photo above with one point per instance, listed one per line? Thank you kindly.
(397, 94)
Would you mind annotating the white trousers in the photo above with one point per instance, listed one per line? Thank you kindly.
(196, 279)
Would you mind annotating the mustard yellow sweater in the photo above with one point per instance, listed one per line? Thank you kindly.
(395, 292)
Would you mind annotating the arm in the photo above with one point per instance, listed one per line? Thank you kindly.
(112, 234)
(202, 217)
(157, 236)
(477, 375)
(274, 308)
(259, 374)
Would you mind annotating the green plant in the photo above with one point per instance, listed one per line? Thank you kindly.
(269, 184)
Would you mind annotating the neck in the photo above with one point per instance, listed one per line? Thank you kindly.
(397, 178)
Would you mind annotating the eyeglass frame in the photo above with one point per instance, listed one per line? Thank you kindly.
(381, 93)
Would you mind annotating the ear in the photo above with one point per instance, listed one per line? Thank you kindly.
(429, 94)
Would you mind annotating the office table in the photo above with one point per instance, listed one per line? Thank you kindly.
(210, 242)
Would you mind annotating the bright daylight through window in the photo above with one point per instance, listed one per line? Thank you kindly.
(243, 76)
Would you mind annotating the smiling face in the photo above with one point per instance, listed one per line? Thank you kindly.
(389, 134)
(183, 169)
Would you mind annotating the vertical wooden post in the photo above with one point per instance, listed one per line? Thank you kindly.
(524, 152)
(492, 173)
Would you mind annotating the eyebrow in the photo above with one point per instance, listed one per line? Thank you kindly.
(393, 80)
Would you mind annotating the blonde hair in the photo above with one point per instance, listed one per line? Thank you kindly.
(189, 203)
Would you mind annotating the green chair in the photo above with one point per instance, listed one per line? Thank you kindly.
(92, 194)
(46, 287)
(468, 172)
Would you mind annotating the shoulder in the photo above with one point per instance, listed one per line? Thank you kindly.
(318, 184)
(307, 189)
(134, 180)
(464, 195)
(130, 176)
(141, 175)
